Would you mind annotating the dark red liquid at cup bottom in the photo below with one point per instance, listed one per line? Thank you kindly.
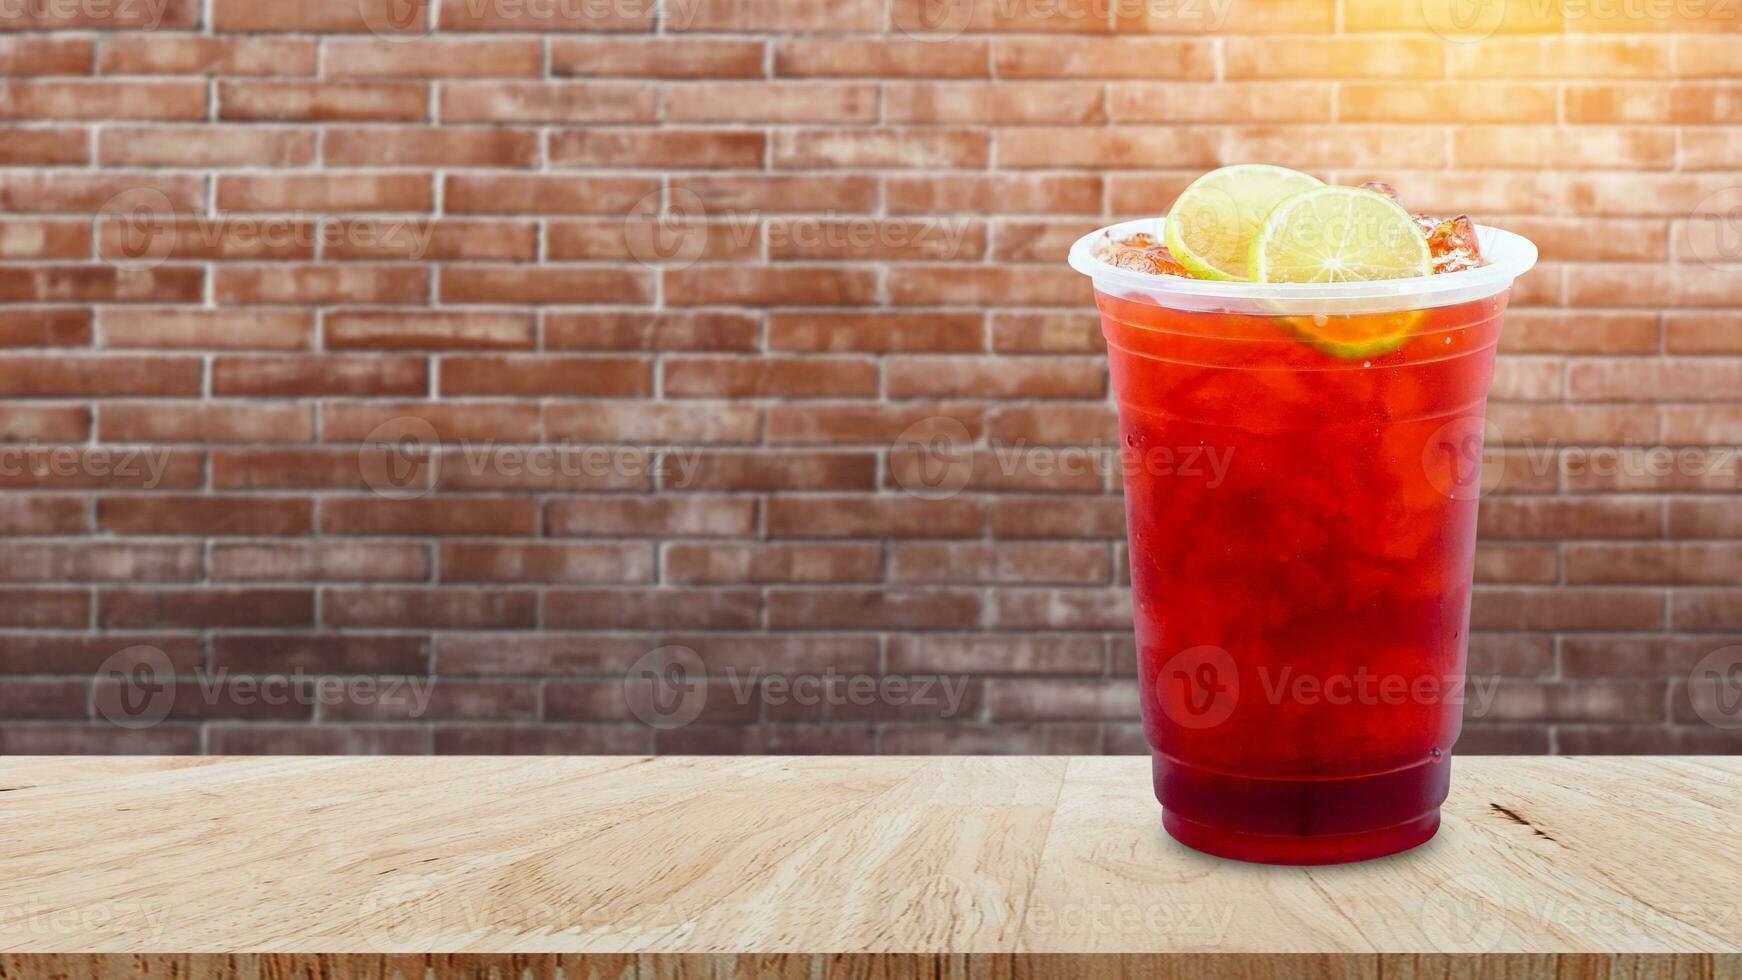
(1302, 527)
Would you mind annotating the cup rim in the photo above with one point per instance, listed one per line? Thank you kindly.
(1509, 256)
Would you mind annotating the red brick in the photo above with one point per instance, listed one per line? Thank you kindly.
(1054, 425)
(90, 193)
(428, 516)
(875, 332)
(651, 330)
(774, 739)
(767, 471)
(44, 699)
(46, 423)
(23, 516)
(763, 563)
(43, 100)
(571, 563)
(447, 700)
(481, 739)
(38, 55)
(322, 285)
(1062, 609)
(44, 328)
(206, 329)
(971, 377)
(319, 375)
(187, 54)
(1517, 563)
(371, 561)
(873, 608)
(450, 420)
(43, 147)
(321, 16)
(1560, 609)
(666, 608)
(60, 738)
(324, 101)
(1563, 57)
(1705, 609)
(769, 286)
(826, 57)
(537, 654)
(1696, 379)
(648, 424)
(74, 377)
(1581, 332)
(433, 147)
(1310, 147)
(1125, 147)
(545, 195)
(872, 517)
(637, 149)
(1103, 57)
(428, 330)
(562, 103)
(781, 16)
(640, 238)
(49, 653)
(1042, 517)
(45, 608)
(1036, 562)
(326, 192)
(208, 146)
(656, 57)
(782, 193)
(550, 469)
(270, 469)
(686, 517)
(204, 607)
(434, 58)
(876, 424)
(323, 739)
(769, 378)
(1334, 57)
(1576, 701)
(564, 377)
(205, 516)
(1548, 518)
(1233, 102)
(941, 285)
(424, 240)
(472, 15)
(957, 738)
(1047, 333)
(1591, 147)
(426, 608)
(1444, 18)
(100, 562)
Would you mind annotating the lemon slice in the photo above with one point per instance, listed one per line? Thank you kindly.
(1338, 234)
(1343, 234)
(1211, 226)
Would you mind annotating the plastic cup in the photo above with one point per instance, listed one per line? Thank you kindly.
(1302, 526)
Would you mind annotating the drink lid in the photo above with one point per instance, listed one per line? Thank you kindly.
(1509, 256)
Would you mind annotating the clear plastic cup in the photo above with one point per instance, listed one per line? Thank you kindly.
(1302, 465)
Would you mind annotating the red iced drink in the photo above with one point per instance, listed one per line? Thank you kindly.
(1302, 598)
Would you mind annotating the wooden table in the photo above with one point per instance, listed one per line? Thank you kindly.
(834, 866)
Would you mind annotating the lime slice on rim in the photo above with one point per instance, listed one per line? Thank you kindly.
(1343, 234)
(1211, 226)
(1338, 234)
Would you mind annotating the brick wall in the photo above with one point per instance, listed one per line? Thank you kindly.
(398, 379)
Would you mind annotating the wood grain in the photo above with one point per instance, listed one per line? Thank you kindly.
(899, 867)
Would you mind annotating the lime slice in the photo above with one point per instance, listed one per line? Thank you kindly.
(1361, 335)
(1212, 224)
(1338, 234)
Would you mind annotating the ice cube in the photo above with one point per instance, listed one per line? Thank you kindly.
(1156, 260)
(1381, 187)
(1454, 245)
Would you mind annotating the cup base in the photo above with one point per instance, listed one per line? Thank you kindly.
(1286, 849)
